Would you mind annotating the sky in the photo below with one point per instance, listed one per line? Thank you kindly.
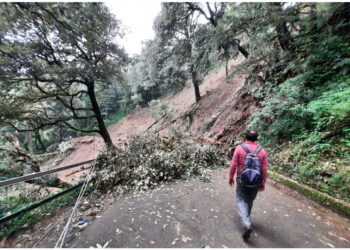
(137, 17)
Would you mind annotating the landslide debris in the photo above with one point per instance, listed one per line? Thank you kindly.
(148, 160)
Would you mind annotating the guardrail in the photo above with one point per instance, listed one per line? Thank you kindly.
(36, 175)
(44, 201)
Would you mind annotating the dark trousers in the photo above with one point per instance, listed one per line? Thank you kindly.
(244, 199)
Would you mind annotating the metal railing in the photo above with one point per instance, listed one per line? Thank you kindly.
(19, 179)
(40, 174)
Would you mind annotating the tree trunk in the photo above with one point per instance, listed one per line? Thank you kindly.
(195, 83)
(102, 127)
(243, 51)
(226, 69)
(283, 34)
(30, 143)
(39, 141)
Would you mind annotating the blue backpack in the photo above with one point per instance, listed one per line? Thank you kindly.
(251, 175)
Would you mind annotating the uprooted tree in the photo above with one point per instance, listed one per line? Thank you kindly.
(53, 57)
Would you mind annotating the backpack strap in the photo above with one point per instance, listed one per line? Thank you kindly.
(257, 150)
(245, 148)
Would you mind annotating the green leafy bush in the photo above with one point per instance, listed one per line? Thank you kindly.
(147, 160)
(331, 108)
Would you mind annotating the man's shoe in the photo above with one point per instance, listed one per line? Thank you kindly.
(247, 232)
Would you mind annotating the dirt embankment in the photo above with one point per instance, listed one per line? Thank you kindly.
(220, 99)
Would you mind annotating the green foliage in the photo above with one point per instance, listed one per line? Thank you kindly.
(114, 118)
(158, 109)
(314, 98)
(331, 108)
(29, 218)
(321, 165)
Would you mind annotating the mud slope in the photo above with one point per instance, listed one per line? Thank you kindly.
(215, 91)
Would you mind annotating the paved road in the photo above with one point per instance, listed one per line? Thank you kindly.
(201, 214)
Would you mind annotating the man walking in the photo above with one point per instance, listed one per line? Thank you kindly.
(245, 194)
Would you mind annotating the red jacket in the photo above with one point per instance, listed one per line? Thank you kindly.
(239, 157)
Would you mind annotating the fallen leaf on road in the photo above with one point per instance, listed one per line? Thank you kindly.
(326, 243)
(164, 226)
(339, 237)
(185, 238)
(174, 242)
(178, 228)
(104, 245)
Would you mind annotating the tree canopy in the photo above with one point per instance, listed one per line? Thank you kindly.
(53, 55)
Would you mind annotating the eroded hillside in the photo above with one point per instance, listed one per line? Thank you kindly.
(220, 115)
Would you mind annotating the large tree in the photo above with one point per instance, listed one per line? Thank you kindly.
(53, 56)
(177, 26)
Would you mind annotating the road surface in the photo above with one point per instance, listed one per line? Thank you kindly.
(203, 214)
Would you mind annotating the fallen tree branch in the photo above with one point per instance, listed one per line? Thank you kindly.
(43, 155)
(335, 131)
(163, 117)
(77, 171)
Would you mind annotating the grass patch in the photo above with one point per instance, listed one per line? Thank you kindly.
(120, 114)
